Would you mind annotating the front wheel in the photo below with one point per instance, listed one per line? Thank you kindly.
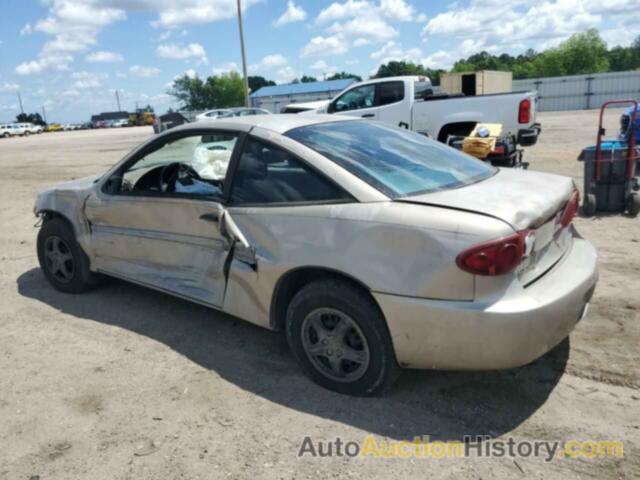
(340, 339)
(63, 262)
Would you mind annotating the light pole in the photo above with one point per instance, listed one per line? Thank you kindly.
(244, 58)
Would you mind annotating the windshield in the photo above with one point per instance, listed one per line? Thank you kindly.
(397, 162)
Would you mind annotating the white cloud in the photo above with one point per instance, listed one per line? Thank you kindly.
(9, 87)
(269, 62)
(324, 46)
(322, 67)
(225, 68)
(74, 25)
(172, 13)
(546, 22)
(144, 72)
(293, 14)
(286, 74)
(104, 57)
(393, 51)
(176, 52)
(84, 80)
(397, 10)
(26, 30)
(357, 23)
(50, 62)
(422, 18)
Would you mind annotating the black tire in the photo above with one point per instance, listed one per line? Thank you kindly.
(27, 133)
(633, 204)
(340, 297)
(77, 277)
(589, 205)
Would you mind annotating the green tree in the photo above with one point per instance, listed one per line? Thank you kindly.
(308, 79)
(345, 76)
(221, 91)
(256, 82)
(34, 118)
(584, 53)
(399, 68)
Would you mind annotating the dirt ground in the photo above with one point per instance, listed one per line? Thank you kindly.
(128, 383)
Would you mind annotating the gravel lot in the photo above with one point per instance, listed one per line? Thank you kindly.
(128, 383)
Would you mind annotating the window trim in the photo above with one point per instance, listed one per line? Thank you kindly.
(156, 145)
(232, 176)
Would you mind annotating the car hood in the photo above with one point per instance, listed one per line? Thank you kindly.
(75, 189)
(521, 198)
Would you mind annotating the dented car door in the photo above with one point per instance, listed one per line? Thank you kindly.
(173, 244)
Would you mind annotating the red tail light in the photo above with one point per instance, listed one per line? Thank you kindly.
(495, 257)
(571, 210)
(524, 112)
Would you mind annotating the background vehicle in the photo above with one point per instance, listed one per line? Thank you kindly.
(304, 106)
(211, 114)
(243, 112)
(30, 128)
(8, 130)
(425, 258)
(122, 122)
(20, 129)
(53, 127)
(409, 102)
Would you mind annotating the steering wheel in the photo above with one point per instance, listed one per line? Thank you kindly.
(170, 174)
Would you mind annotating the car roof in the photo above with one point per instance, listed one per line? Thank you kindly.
(279, 123)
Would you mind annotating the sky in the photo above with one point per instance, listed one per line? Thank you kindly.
(70, 56)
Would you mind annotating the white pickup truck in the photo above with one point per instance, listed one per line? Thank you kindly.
(409, 102)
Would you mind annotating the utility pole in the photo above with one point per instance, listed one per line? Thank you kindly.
(118, 100)
(44, 114)
(244, 58)
(20, 101)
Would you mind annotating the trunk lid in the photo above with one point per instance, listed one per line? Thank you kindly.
(526, 201)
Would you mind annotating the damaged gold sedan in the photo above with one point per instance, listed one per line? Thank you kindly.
(372, 247)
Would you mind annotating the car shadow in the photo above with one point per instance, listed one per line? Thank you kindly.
(443, 405)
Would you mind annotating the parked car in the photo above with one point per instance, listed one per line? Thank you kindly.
(20, 129)
(8, 130)
(30, 128)
(371, 246)
(304, 106)
(243, 112)
(53, 127)
(409, 102)
(212, 114)
(122, 122)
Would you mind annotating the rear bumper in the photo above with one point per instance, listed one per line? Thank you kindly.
(517, 328)
(528, 137)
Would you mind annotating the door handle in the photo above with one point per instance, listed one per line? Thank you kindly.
(210, 217)
(368, 115)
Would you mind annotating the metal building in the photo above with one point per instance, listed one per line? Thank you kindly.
(581, 92)
(276, 97)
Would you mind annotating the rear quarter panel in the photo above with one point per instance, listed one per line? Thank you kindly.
(399, 249)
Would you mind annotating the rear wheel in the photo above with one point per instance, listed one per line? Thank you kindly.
(340, 338)
(633, 204)
(63, 262)
(27, 133)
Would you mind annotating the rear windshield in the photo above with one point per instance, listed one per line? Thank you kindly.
(395, 161)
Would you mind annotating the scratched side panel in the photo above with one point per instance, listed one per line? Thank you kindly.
(392, 248)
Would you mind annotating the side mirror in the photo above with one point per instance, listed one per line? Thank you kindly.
(331, 107)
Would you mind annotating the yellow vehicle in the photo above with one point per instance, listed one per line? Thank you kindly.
(53, 127)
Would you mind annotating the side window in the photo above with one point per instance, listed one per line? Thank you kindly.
(390, 92)
(268, 174)
(195, 165)
(356, 98)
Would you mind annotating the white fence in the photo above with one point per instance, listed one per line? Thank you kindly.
(581, 92)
